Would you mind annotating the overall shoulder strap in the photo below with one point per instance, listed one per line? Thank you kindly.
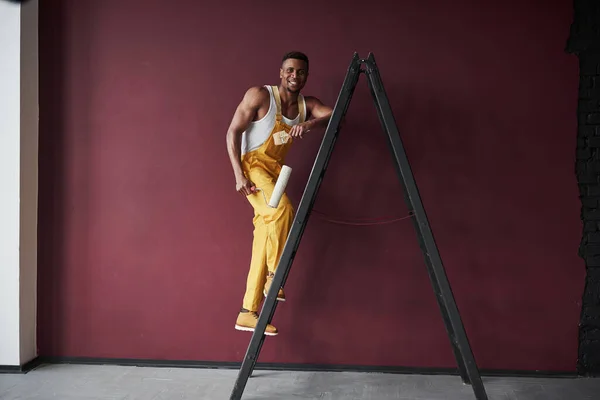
(275, 91)
(301, 108)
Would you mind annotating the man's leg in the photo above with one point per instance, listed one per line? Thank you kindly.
(279, 229)
(258, 267)
(248, 316)
(271, 228)
(277, 223)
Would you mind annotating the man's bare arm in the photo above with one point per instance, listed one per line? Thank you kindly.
(319, 117)
(244, 114)
(320, 113)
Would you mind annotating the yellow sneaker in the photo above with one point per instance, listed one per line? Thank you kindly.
(246, 321)
(280, 295)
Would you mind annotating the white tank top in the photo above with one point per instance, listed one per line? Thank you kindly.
(258, 132)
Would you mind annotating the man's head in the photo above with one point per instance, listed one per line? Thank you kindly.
(294, 71)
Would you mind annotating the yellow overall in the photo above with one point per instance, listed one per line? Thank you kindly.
(271, 225)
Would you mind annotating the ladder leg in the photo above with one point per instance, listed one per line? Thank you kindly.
(452, 320)
(298, 226)
(461, 366)
(462, 369)
(252, 361)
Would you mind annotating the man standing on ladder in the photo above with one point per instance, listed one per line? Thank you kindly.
(258, 139)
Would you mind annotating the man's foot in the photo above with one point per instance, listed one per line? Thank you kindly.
(280, 295)
(246, 321)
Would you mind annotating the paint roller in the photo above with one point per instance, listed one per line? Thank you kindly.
(279, 189)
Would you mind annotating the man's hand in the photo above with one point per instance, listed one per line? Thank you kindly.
(245, 187)
(300, 129)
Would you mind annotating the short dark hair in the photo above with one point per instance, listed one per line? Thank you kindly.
(296, 55)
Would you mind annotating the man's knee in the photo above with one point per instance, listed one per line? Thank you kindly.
(283, 212)
(287, 210)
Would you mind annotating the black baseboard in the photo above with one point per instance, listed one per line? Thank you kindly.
(20, 369)
(299, 367)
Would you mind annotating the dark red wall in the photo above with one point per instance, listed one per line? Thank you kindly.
(145, 245)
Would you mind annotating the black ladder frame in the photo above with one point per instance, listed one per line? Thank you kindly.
(460, 344)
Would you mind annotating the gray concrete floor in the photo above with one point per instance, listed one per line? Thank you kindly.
(104, 382)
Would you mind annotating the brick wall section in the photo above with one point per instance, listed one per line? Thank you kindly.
(588, 175)
(584, 41)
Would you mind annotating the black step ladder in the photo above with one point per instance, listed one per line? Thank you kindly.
(437, 274)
